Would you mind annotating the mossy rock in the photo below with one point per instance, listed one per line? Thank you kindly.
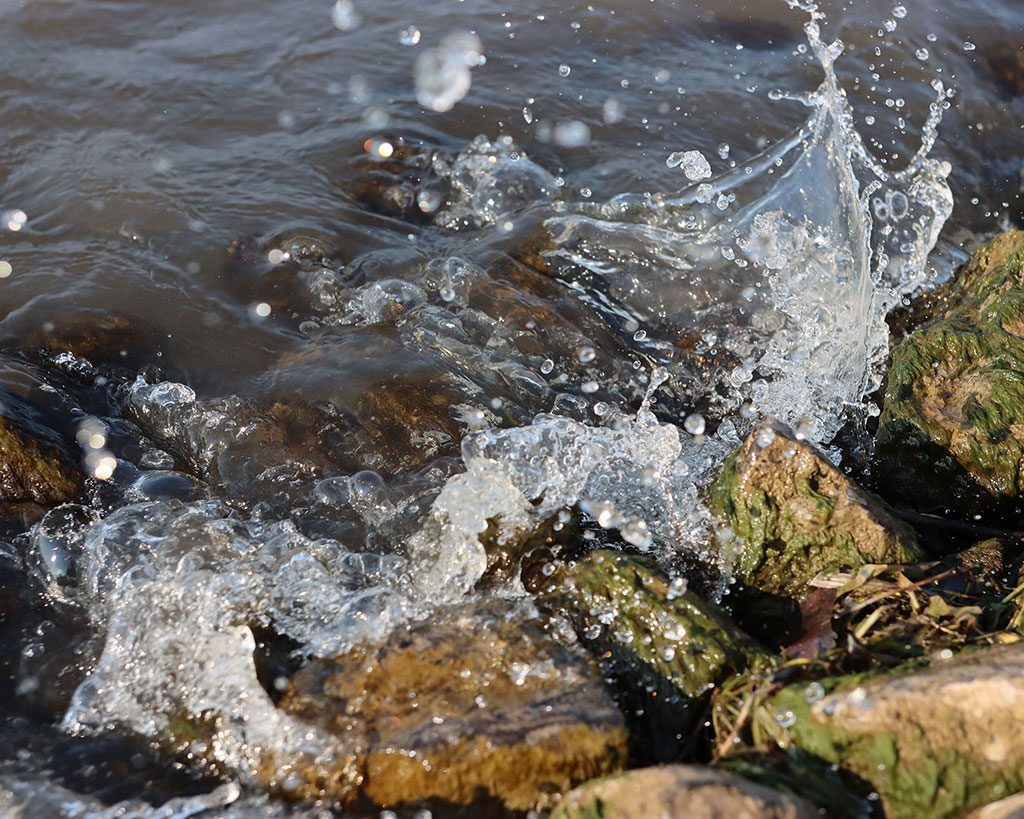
(477, 706)
(795, 515)
(930, 739)
(680, 790)
(952, 426)
(664, 647)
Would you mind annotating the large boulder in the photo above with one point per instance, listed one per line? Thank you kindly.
(795, 514)
(680, 790)
(479, 706)
(952, 427)
(930, 739)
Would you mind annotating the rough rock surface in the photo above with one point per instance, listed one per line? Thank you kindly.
(31, 470)
(954, 399)
(671, 791)
(478, 706)
(664, 646)
(795, 514)
(931, 741)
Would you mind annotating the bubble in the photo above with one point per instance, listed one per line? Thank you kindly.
(409, 36)
(332, 491)
(564, 70)
(639, 335)
(921, 54)
(344, 15)
(694, 424)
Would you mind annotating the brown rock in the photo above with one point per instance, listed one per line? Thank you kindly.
(34, 471)
(671, 791)
(479, 705)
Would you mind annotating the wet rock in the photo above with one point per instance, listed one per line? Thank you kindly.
(479, 706)
(680, 790)
(663, 646)
(1012, 807)
(953, 419)
(930, 740)
(795, 514)
(32, 470)
(102, 338)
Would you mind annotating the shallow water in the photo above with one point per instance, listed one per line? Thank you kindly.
(140, 144)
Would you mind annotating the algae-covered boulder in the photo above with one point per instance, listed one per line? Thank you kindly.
(795, 514)
(34, 470)
(664, 646)
(680, 791)
(952, 427)
(478, 706)
(931, 740)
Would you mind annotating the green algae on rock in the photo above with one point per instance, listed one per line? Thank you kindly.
(953, 418)
(676, 791)
(664, 646)
(930, 739)
(796, 515)
(479, 705)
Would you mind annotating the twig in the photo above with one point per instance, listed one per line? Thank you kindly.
(899, 590)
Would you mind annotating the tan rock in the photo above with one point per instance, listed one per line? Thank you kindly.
(676, 791)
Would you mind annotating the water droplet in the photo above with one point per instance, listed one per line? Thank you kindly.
(547, 366)
(785, 718)
(15, 220)
(814, 692)
(693, 163)
(804, 429)
(527, 114)
(969, 46)
(572, 134)
(586, 354)
(765, 437)
(899, 12)
(332, 491)
(613, 111)
(428, 201)
(705, 193)
(694, 424)
(564, 70)
(921, 54)
(639, 335)
(344, 15)
(5, 269)
(409, 36)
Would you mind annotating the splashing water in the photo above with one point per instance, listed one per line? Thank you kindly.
(814, 238)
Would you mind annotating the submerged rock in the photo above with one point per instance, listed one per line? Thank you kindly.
(795, 514)
(479, 707)
(677, 791)
(663, 646)
(931, 740)
(953, 419)
(33, 470)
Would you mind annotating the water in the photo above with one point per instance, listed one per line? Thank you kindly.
(463, 286)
